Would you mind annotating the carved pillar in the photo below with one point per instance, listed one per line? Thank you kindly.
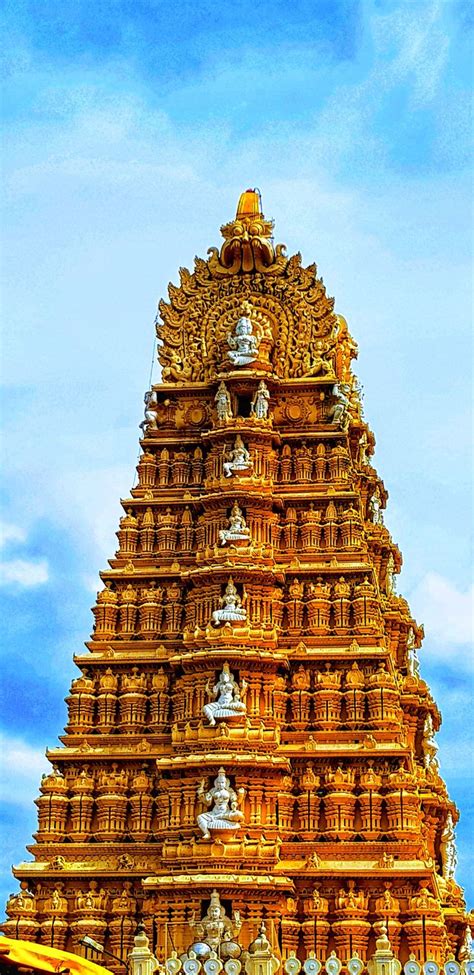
(354, 696)
(351, 929)
(311, 528)
(316, 927)
(320, 463)
(370, 802)
(146, 469)
(141, 807)
(341, 605)
(122, 925)
(22, 914)
(132, 702)
(107, 701)
(105, 614)
(424, 927)
(81, 704)
(339, 805)
(147, 532)
(81, 806)
(327, 700)
(403, 805)
(53, 805)
(128, 611)
(54, 926)
(111, 805)
(319, 606)
(128, 535)
(330, 526)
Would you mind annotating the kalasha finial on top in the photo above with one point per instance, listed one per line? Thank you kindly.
(248, 244)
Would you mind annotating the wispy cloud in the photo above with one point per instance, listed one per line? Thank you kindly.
(21, 767)
(448, 615)
(10, 533)
(22, 572)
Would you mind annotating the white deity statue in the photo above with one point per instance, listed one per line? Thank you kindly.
(237, 530)
(150, 400)
(232, 609)
(223, 403)
(375, 508)
(260, 402)
(215, 927)
(339, 411)
(237, 459)
(225, 813)
(428, 745)
(447, 849)
(227, 694)
(391, 582)
(413, 664)
(243, 343)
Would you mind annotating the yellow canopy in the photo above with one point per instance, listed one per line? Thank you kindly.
(44, 959)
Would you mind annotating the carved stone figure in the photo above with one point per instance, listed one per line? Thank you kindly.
(228, 700)
(390, 581)
(237, 459)
(316, 365)
(237, 530)
(375, 508)
(428, 745)
(413, 664)
(225, 813)
(243, 344)
(260, 402)
(338, 413)
(447, 849)
(215, 926)
(232, 610)
(223, 403)
(151, 402)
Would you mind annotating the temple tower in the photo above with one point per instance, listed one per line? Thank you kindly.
(249, 737)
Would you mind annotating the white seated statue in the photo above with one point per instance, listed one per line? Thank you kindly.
(227, 694)
(243, 343)
(215, 927)
(237, 530)
(232, 610)
(225, 813)
(237, 459)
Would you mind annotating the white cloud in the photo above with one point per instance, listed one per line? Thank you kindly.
(23, 572)
(10, 533)
(21, 768)
(447, 614)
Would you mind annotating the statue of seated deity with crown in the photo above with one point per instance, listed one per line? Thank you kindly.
(225, 813)
(238, 459)
(232, 608)
(215, 927)
(243, 343)
(227, 701)
(237, 533)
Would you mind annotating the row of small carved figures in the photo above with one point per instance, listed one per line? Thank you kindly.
(311, 528)
(301, 463)
(120, 802)
(317, 605)
(327, 706)
(126, 899)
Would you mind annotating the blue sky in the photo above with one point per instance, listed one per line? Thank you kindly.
(130, 128)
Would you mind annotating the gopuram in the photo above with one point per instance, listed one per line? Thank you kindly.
(250, 755)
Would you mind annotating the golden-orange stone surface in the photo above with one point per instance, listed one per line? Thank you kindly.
(249, 722)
